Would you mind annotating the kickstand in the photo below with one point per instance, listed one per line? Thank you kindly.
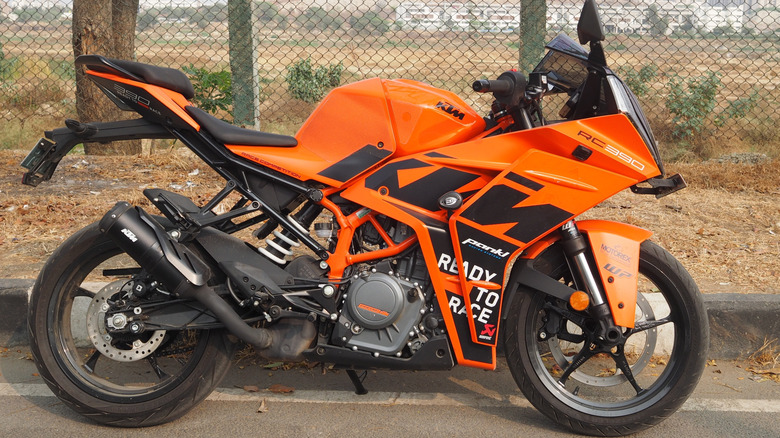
(358, 382)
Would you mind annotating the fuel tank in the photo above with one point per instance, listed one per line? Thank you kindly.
(360, 125)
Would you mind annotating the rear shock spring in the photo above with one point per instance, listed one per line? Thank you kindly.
(278, 246)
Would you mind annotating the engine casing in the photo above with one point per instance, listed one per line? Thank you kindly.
(380, 314)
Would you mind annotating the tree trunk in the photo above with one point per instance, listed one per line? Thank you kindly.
(124, 16)
(103, 27)
(533, 33)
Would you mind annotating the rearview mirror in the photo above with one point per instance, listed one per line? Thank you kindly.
(589, 27)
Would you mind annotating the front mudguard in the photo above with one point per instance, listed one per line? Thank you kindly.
(615, 249)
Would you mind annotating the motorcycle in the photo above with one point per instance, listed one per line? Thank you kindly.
(439, 236)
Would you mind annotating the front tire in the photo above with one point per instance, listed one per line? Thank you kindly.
(597, 398)
(129, 381)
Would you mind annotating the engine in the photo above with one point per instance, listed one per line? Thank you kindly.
(384, 307)
(380, 314)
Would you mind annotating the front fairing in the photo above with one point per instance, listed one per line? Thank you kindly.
(568, 68)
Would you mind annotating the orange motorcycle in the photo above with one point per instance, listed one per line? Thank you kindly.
(425, 236)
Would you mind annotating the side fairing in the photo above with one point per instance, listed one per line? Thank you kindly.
(517, 188)
(542, 189)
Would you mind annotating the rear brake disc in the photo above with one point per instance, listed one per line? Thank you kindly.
(122, 350)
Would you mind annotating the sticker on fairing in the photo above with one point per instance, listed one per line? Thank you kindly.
(484, 260)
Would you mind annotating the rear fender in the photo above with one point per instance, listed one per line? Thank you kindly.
(615, 248)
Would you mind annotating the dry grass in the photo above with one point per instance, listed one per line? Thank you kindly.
(766, 360)
(760, 178)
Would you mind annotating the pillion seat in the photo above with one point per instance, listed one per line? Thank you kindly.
(177, 81)
(169, 78)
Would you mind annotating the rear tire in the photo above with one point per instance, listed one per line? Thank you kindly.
(597, 399)
(134, 391)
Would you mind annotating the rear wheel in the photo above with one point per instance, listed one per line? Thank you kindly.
(609, 390)
(118, 379)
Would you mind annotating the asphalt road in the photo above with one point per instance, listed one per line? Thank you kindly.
(729, 402)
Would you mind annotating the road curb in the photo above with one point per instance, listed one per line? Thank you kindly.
(14, 295)
(739, 323)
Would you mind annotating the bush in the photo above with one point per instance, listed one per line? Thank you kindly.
(213, 90)
(7, 66)
(692, 104)
(738, 109)
(639, 81)
(310, 85)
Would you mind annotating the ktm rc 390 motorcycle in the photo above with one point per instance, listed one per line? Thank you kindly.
(442, 234)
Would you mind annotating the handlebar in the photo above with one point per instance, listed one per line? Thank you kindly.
(500, 87)
(514, 97)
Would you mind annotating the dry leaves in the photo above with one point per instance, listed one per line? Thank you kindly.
(281, 389)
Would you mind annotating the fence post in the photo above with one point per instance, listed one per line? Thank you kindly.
(533, 33)
(242, 63)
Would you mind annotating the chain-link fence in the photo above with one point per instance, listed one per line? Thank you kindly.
(705, 70)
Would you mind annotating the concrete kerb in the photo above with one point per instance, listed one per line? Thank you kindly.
(739, 323)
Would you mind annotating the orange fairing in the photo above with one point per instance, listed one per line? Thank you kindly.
(347, 134)
(360, 125)
(172, 100)
(425, 117)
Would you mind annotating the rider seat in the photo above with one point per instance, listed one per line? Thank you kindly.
(230, 134)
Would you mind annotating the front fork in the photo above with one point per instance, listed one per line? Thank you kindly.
(575, 247)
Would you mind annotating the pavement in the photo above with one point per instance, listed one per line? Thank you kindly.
(729, 401)
(740, 324)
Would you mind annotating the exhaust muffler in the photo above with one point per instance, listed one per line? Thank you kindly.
(182, 271)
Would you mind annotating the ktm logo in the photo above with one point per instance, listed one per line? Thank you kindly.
(130, 235)
(450, 109)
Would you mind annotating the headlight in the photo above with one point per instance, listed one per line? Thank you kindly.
(628, 104)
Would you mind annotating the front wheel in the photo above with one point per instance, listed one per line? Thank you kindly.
(569, 375)
(119, 379)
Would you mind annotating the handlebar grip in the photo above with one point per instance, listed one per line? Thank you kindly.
(497, 86)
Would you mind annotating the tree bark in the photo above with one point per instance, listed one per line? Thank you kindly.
(103, 27)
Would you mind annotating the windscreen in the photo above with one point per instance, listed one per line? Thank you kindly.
(565, 64)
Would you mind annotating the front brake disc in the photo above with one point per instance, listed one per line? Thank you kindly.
(641, 348)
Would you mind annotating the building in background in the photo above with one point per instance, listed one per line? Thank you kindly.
(618, 16)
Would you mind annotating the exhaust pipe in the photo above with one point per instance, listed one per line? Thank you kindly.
(178, 268)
